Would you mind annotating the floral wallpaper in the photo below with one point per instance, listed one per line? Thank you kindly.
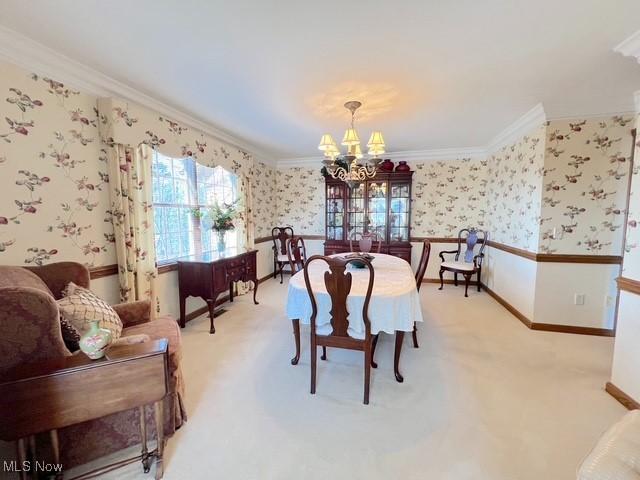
(514, 185)
(586, 173)
(631, 263)
(53, 166)
(300, 200)
(264, 187)
(447, 196)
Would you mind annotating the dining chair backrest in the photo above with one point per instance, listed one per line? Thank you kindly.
(338, 284)
(366, 242)
(424, 261)
(279, 235)
(297, 253)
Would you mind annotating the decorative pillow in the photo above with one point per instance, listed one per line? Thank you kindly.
(80, 306)
(70, 336)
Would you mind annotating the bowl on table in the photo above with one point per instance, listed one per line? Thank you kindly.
(358, 263)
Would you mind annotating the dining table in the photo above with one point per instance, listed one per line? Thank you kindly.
(393, 308)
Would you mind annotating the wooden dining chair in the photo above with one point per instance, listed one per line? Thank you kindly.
(338, 284)
(297, 254)
(280, 235)
(422, 269)
(366, 242)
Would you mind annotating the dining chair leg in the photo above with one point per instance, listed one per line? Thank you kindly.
(479, 285)
(367, 371)
(275, 267)
(467, 279)
(441, 279)
(281, 273)
(324, 353)
(314, 359)
(415, 335)
(296, 338)
(374, 344)
(455, 279)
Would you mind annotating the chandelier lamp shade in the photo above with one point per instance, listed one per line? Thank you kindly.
(354, 172)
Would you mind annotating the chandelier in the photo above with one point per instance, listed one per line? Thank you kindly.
(349, 167)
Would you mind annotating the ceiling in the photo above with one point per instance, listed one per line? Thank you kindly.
(275, 74)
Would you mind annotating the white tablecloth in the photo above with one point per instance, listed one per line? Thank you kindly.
(394, 304)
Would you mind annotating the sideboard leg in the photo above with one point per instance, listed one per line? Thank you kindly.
(255, 291)
(159, 414)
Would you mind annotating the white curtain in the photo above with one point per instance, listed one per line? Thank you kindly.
(130, 186)
(244, 223)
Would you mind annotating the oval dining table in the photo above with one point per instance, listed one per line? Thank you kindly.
(393, 308)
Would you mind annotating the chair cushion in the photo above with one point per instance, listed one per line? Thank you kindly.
(616, 456)
(79, 306)
(458, 266)
(283, 258)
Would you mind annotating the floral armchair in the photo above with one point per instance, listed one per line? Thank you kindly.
(30, 331)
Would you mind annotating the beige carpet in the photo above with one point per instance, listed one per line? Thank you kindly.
(483, 398)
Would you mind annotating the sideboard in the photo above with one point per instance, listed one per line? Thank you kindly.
(210, 274)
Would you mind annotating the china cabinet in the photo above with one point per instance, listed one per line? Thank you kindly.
(379, 205)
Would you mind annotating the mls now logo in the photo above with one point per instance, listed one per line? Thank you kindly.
(28, 466)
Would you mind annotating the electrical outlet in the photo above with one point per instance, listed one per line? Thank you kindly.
(578, 299)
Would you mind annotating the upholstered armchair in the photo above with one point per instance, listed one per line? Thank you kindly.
(30, 332)
(468, 263)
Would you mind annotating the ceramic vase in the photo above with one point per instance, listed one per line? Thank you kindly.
(403, 167)
(95, 340)
(386, 166)
(365, 244)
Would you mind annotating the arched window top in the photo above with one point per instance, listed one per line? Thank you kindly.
(182, 188)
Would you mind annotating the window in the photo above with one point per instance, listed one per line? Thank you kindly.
(179, 186)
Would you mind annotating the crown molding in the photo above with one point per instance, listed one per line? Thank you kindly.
(523, 125)
(35, 57)
(406, 155)
(630, 47)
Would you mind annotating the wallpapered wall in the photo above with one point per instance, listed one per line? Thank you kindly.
(263, 186)
(631, 264)
(514, 176)
(53, 169)
(586, 173)
(570, 175)
(54, 201)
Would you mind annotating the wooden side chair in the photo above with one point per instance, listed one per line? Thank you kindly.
(366, 242)
(338, 284)
(470, 263)
(422, 269)
(297, 254)
(280, 235)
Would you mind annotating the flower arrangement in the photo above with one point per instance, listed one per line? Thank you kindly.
(222, 217)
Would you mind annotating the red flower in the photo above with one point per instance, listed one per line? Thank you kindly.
(22, 130)
(3, 221)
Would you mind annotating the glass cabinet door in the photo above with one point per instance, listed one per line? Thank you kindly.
(400, 200)
(335, 212)
(356, 211)
(376, 221)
